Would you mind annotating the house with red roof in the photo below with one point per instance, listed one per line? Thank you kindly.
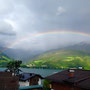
(71, 79)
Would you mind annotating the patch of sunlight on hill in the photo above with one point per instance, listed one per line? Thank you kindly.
(62, 59)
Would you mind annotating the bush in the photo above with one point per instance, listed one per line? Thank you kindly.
(46, 85)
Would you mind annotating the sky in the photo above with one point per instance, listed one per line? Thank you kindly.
(23, 23)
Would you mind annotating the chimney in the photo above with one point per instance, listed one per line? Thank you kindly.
(71, 73)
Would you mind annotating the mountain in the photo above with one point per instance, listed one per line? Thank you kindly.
(4, 59)
(69, 57)
(83, 46)
(21, 54)
(27, 55)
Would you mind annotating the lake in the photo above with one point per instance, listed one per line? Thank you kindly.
(42, 72)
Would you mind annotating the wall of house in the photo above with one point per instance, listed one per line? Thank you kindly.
(22, 83)
(56, 86)
(5, 74)
(34, 81)
(9, 83)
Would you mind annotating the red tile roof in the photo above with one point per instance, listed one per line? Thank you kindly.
(80, 79)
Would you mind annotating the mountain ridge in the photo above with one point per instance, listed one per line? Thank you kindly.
(68, 57)
(4, 59)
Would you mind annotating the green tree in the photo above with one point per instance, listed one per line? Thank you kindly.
(46, 85)
(13, 66)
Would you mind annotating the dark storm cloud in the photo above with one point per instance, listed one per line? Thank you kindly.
(6, 29)
(7, 35)
(60, 14)
(26, 17)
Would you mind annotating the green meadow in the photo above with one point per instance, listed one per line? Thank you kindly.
(62, 59)
(4, 60)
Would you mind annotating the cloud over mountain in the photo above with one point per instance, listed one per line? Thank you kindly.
(23, 19)
(6, 29)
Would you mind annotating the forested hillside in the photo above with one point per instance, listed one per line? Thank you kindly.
(4, 59)
(62, 59)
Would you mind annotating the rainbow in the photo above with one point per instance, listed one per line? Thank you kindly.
(57, 32)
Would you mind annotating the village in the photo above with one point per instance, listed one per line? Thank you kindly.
(70, 79)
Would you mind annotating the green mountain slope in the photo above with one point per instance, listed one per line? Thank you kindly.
(4, 59)
(62, 59)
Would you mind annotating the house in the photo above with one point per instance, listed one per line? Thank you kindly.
(8, 82)
(28, 79)
(71, 79)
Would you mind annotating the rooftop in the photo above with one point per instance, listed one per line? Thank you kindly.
(26, 76)
(80, 79)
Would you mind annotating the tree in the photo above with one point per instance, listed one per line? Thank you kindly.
(13, 66)
(46, 85)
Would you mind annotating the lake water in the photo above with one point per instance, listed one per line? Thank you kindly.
(42, 72)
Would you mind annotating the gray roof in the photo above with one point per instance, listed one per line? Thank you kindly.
(27, 76)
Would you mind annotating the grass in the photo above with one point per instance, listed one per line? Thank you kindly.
(62, 59)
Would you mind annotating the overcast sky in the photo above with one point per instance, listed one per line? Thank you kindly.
(21, 19)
